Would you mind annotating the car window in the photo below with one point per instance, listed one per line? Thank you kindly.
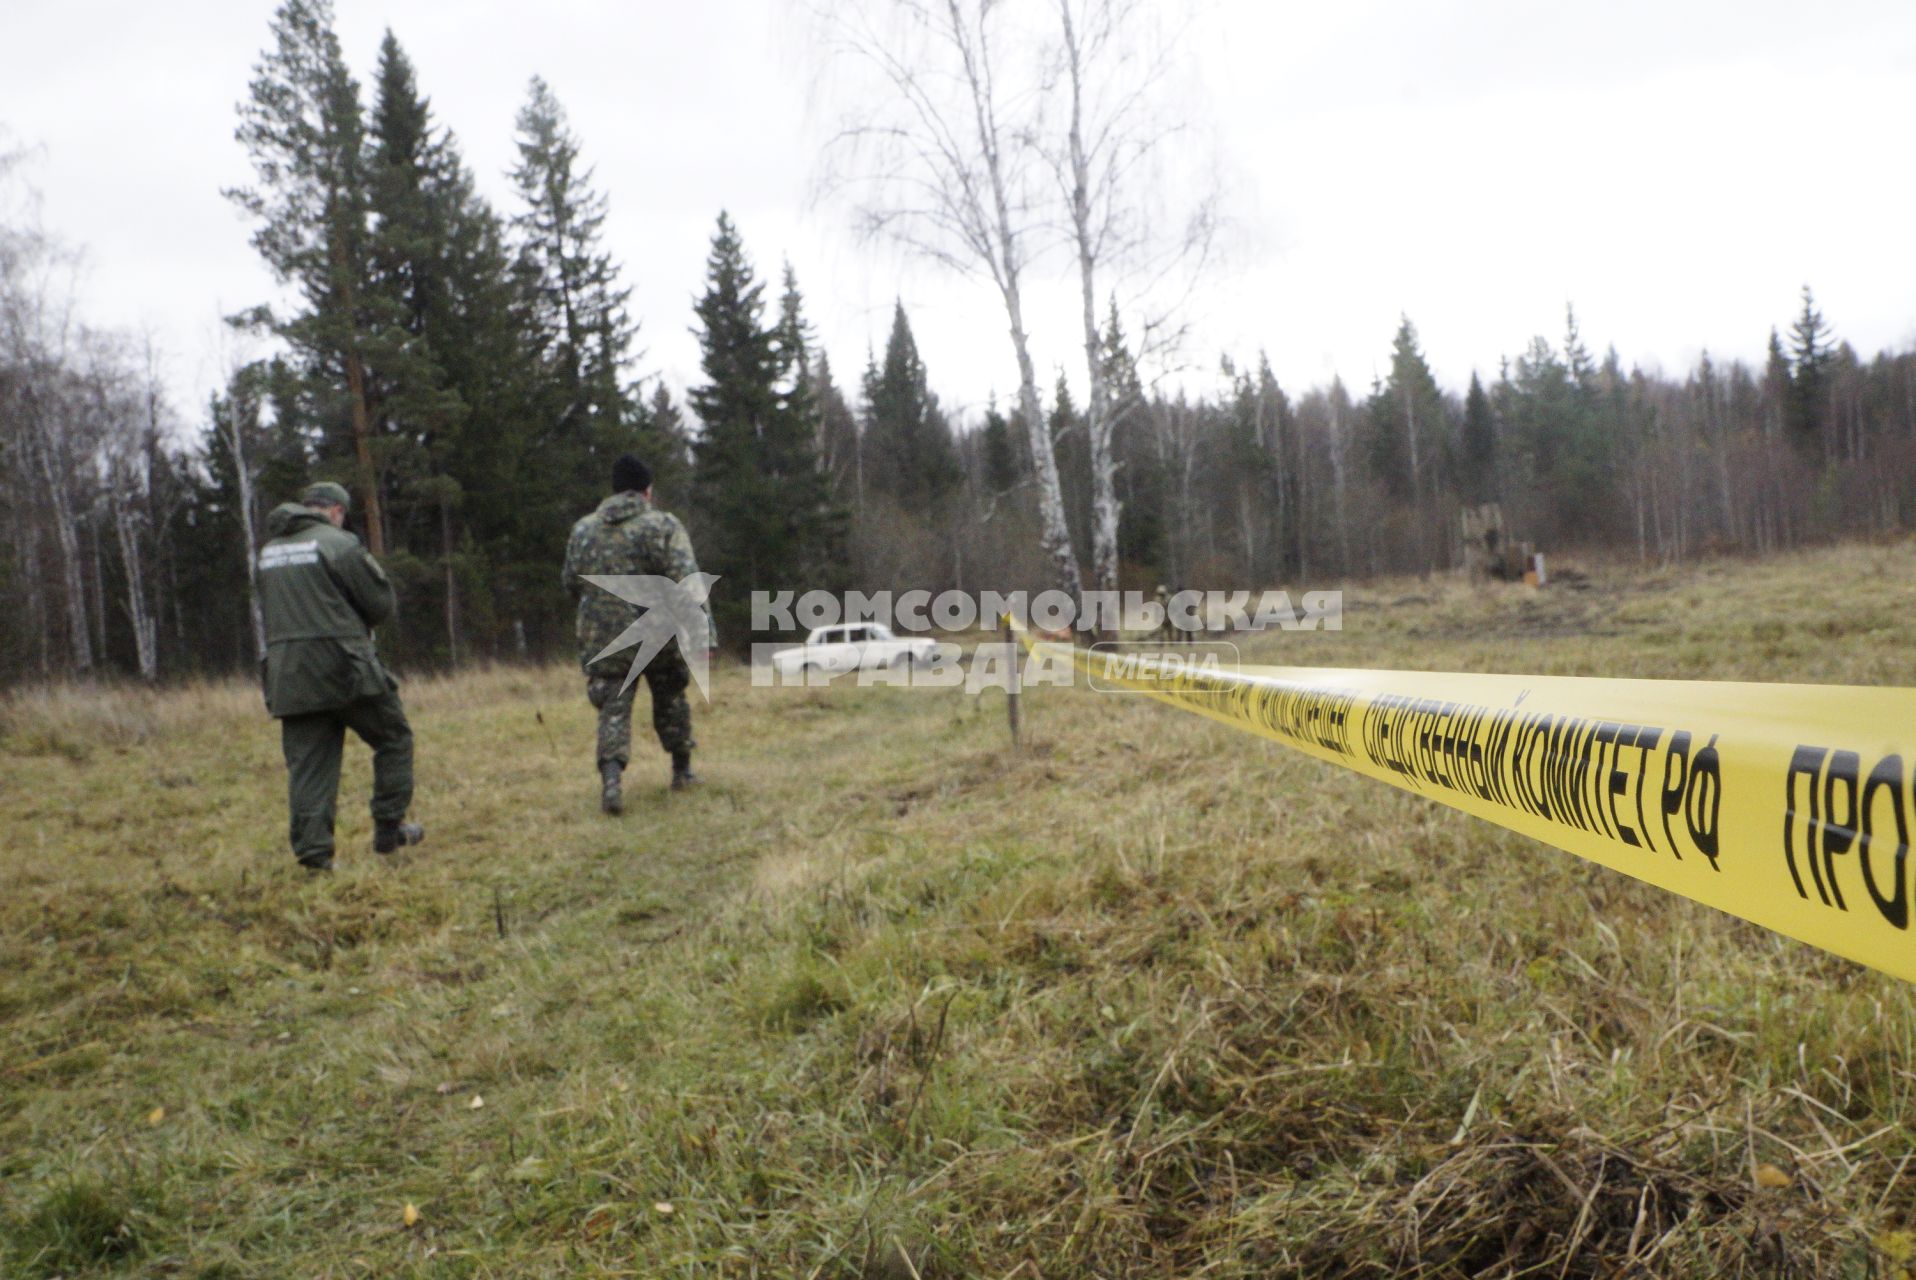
(854, 634)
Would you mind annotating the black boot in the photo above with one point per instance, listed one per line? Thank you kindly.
(682, 775)
(610, 799)
(389, 836)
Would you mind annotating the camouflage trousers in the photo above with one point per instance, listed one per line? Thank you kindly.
(668, 677)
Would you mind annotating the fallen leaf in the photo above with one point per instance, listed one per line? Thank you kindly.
(477, 1102)
(411, 1216)
(1768, 1175)
(664, 1209)
(156, 1115)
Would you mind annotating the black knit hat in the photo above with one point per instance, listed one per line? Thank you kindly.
(629, 475)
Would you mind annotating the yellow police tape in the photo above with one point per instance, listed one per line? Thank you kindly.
(1788, 805)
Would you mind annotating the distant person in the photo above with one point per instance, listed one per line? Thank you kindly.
(322, 594)
(628, 536)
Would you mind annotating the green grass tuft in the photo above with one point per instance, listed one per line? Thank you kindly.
(79, 1222)
(884, 999)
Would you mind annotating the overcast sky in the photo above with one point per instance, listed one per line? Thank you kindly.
(1677, 170)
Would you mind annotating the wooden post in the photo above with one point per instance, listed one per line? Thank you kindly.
(1011, 692)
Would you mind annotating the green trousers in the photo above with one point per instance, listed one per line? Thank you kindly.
(313, 744)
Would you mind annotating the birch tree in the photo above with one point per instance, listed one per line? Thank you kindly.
(235, 427)
(937, 158)
(1105, 150)
(36, 333)
(129, 430)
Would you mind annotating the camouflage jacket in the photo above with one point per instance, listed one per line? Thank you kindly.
(626, 535)
(321, 594)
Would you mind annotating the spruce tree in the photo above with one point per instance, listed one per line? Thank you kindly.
(793, 441)
(1065, 425)
(909, 454)
(666, 446)
(452, 358)
(1555, 423)
(768, 519)
(839, 444)
(1811, 358)
(1000, 455)
(578, 304)
(1406, 419)
(1477, 462)
(1777, 416)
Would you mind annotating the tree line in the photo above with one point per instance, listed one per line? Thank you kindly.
(470, 373)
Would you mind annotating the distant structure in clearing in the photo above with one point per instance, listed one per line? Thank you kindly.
(1489, 552)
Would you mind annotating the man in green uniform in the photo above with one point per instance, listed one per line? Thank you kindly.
(628, 536)
(321, 595)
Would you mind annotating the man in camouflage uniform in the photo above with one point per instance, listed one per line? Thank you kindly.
(321, 595)
(627, 536)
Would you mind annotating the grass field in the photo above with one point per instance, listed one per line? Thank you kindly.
(885, 1000)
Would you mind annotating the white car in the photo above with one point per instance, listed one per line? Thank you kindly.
(860, 646)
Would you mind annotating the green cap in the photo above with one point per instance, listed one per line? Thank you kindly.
(325, 494)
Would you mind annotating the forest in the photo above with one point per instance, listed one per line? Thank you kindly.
(470, 373)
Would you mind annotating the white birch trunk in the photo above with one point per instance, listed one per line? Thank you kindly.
(1055, 535)
(66, 532)
(127, 524)
(1098, 417)
(233, 433)
(1335, 408)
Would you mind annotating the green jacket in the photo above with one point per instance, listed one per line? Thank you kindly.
(626, 536)
(321, 594)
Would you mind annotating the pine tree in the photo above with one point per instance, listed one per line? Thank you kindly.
(303, 128)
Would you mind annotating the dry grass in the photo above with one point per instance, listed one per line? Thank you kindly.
(883, 1000)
